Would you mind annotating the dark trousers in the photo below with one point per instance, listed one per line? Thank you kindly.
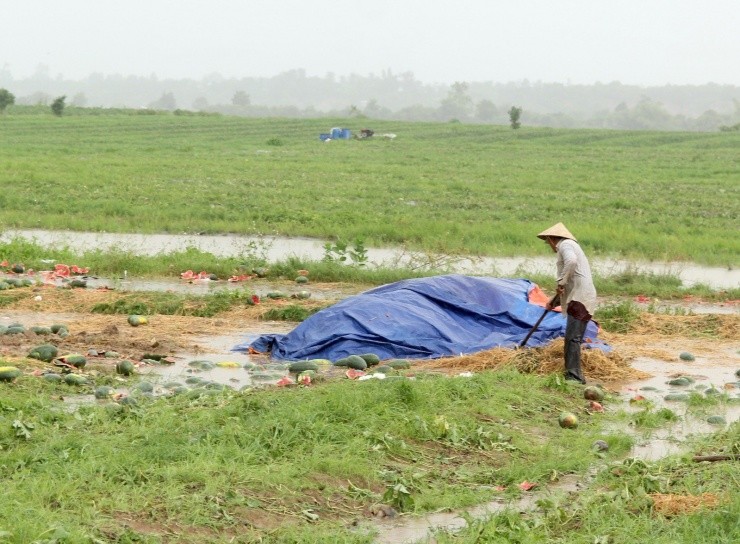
(575, 328)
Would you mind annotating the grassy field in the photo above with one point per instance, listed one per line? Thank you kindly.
(296, 465)
(445, 187)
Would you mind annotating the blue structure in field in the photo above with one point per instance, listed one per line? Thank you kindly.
(336, 133)
(422, 318)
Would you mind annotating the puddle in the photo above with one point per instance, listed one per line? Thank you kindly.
(420, 529)
(654, 444)
(319, 291)
(278, 248)
(217, 349)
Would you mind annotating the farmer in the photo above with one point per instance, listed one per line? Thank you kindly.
(577, 294)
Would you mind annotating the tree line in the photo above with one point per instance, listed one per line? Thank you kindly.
(392, 96)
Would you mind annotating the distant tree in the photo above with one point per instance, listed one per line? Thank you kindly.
(375, 110)
(514, 115)
(165, 102)
(6, 99)
(200, 103)
(79, 100)
(354, 111)
(457, 104)
(486, 111)
(241, 98)
(38, 98)
(57, 107)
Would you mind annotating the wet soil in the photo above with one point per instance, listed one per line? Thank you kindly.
(183, 339)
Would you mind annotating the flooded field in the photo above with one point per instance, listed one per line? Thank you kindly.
(196, 357)
(276, 248)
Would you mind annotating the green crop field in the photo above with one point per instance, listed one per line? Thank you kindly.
(460, 189)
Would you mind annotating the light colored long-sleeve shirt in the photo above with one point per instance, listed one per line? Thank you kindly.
(574, 274)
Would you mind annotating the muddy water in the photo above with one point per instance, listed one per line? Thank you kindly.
(705, 375)
(420, 529)
(218, 351)
(276, 249)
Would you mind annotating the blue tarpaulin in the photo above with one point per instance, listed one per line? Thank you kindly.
(421, 319)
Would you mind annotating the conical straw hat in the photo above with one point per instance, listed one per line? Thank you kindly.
(558, 230)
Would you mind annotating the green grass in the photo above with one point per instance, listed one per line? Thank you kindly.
(203, 469)
(112, 263)
(151, 303)
(444, 187)
(618, 506)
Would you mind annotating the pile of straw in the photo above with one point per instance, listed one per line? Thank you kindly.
(724, 326)
(674, 505)
(597, 365)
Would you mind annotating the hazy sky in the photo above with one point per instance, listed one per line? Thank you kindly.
(644, 42)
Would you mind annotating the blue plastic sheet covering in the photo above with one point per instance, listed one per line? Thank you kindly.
(421, 319)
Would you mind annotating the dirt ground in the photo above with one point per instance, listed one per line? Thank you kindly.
(709, 337)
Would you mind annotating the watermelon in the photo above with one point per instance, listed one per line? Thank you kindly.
(353, 374)
(683, 380)
(143, 387)
(136, 320)
(52, 377)
(75, 379)
(202, 365)
(353, 361)
(371, 359)
(302, 295)
(686, 356)
(18, 268)
(228, 364)
(592, 392)
(74, 359)
(568, 420)
(302, 366)
(301, 279)
(56, 327)
(103, 392)
(44, 352)
(716, 420)
(8, 373)
(41, 330)
(125, 368)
